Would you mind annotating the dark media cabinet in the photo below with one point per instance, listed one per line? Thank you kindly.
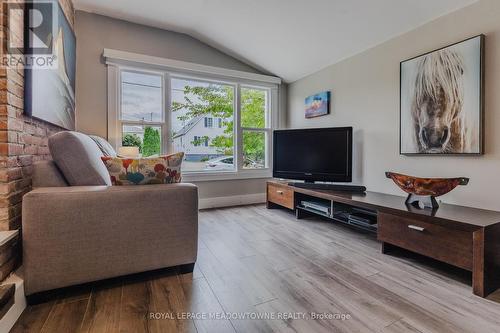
(465, 237)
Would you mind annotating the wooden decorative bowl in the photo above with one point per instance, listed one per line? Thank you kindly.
(424, 190)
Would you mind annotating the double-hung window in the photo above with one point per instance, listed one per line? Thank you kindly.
(255, 126)
(142, 111)
(222, 123)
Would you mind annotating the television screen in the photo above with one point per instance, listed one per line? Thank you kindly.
(319, 154)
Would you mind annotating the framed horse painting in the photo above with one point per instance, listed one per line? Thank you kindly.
(442, 100)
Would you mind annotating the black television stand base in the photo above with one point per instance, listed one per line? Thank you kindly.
(330, 187)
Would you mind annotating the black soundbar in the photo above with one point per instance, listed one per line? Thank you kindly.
(331, 187)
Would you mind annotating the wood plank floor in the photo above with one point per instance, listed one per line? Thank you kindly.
(258, 262)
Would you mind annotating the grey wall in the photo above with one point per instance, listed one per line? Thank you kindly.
(365, 91)
(96, 32)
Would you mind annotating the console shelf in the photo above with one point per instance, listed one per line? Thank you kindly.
(465, 237)
(338, 216)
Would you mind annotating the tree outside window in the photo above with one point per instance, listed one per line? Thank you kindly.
(216, 101)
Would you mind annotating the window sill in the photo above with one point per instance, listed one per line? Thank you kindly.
(211, 176)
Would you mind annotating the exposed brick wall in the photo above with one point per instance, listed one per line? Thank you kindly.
(23, 140)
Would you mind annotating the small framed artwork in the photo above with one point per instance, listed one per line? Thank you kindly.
(442, 100)
(318, 105)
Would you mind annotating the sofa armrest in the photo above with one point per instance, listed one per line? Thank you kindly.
(89, 233)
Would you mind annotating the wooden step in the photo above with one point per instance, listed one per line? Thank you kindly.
(6, 298)
(9, 252)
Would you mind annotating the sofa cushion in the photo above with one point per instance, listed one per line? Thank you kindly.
(79, 159)
(46, 174)
(105, 147)
(144, 171)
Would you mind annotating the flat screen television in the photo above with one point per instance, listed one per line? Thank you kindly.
(318, 154)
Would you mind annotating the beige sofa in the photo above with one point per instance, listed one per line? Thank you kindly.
(73, 234)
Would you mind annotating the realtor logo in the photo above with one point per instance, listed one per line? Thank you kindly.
(32, 26)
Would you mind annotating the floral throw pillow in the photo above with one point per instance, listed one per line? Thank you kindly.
(144, 171)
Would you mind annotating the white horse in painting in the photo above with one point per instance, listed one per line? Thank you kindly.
(438, 118)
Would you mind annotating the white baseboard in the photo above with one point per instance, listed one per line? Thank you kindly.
(10, 318)
(235, 200)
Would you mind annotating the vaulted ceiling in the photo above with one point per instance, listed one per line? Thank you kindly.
(289, 38)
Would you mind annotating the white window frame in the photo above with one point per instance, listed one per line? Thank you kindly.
(118, 61)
